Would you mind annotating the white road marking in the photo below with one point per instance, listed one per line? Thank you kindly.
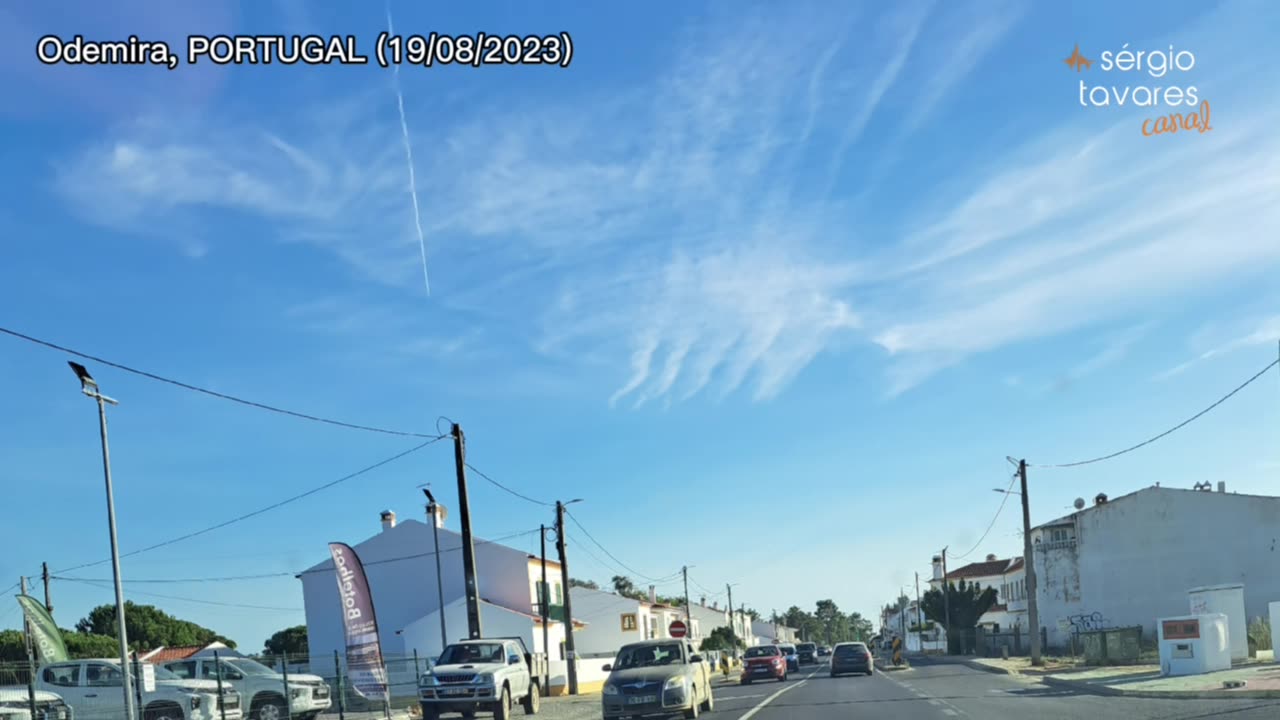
(937, 703)
(751, 713)
(738, 697)
(948, 711)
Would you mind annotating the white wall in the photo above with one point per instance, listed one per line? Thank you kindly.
(602, 612)
(1138, 555)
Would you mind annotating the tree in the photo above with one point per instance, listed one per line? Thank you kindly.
(79, 645)
(289, 641)
(967, 602)
(753, 613)
(624, 587)
(148, 627)
(721, 638)
(588, 584)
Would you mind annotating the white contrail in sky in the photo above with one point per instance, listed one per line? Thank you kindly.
(408, 154)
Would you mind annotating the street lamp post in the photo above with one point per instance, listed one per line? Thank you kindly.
(90, 387)
(433, 509)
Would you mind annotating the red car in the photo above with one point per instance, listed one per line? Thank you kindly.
(764, 662)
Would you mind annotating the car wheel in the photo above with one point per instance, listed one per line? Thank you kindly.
(271, 708)
(746, 681)
(429, 712)
(532, 701)
(502, 708)
(710, 704)
(692, 712)
(783, 678)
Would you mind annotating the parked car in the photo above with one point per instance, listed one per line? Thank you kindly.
(262, 688)
(823, 651)
(480, 675)
(808, 653)
(792, 656)
(657, 678)
(92, 689)
(850, 657)
(763, 662)
(15, 704)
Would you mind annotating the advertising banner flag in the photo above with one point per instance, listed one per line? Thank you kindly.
(45, 635)
(364, 650)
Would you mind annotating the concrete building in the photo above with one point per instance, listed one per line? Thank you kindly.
(614, 620)
(1129, 560)
(400, 565)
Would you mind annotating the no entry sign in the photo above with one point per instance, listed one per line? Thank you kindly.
(677, 629)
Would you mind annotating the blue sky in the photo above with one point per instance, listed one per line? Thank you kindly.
(776, 290)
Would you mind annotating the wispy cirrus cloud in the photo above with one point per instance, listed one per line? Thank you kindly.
(691, 233)
(1266, 331)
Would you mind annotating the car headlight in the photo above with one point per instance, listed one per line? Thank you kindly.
(429, 680)
(195, 702)
(482, 679)
(676, 681)
(298, 692)
(610, 689)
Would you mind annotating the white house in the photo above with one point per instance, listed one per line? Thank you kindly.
(768, 632)
(612, 621)
(1129, 560)
(400, 565)
(1007, 576)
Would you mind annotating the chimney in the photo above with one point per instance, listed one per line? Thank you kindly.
(388, 520)
(702, 601)
(715, 604)
(991, 558)
(1222, 486)
(937, 567)
(653, 595)
(442, 512)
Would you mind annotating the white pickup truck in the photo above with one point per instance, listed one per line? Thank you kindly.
(479, 675)
(93, 690)
(15, 704)
(261, 687)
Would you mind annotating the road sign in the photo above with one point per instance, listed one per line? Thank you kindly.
(677, 629)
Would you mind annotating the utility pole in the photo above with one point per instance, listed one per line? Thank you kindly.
(919, 610)
(1033, 612)
(31, 661)
(542, 612)
(572, 656)
(468, 548)
(733, 634)
(688, 616)
(44, 575)
(946, 604)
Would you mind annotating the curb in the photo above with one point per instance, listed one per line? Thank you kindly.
(1108, 691)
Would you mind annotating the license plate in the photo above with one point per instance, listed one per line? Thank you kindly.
(642, 699)
(453, 691)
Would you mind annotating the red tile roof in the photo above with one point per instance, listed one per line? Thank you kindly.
(979, 569)
(162, 655)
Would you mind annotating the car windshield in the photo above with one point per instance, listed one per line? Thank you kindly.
(762, 651)
(844, 650)
(635, 656)
(472, 653)
(789, 649)
(808, 647)
(251, 667)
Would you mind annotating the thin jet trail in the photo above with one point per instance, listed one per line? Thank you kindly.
(408, 154)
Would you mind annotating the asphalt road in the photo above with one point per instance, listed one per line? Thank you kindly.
(952, 691)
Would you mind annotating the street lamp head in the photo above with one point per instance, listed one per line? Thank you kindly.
(86, 380)
(430, 498)
(575, 500)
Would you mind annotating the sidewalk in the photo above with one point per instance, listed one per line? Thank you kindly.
(1261, 680)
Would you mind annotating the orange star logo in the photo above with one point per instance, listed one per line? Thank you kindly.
(1076, 61)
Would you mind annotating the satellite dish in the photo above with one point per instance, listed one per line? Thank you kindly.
(1079, 503)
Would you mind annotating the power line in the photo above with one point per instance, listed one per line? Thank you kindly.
(6, 590)
(260, 511)
(104, 585)
(605, 550)
(992, 524)
(1171, 430)
(212, 393)
(526, 498)
(231, 578)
